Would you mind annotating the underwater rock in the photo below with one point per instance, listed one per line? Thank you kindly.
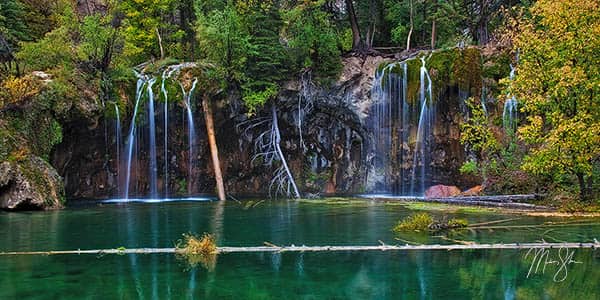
(442, 191)
(30, 184)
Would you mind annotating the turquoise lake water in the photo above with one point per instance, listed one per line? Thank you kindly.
(465, 274)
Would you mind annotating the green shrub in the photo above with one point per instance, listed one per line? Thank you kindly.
(418, 222)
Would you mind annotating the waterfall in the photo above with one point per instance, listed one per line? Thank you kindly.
(423, 132)
(402, 129)
(118, 142)
(391, 127)
(484, 99)
(138, 142)
(166, 133)
(187, 96)
(152, 131)
(509, 114)
(131, 137)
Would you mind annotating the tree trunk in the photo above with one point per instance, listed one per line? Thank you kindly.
(433, 35)
(212, 141)
(582, 186)
(356, 38)
(411, 26)
(160, 45)
(372, 25)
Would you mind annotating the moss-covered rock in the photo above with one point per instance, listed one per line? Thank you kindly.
(30, 183)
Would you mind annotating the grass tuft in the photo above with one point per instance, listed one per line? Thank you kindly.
(198, 250)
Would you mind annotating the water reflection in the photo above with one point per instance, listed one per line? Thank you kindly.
(354, 275)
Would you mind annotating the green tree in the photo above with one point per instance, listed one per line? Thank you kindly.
(148, 30)
(13, 29)
(558, 81)
(477, 134)
(224, 40)
(267, 64)
(313, 39)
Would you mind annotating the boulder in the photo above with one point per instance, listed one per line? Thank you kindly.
(30, 184)
(442, 191)
(474, 191)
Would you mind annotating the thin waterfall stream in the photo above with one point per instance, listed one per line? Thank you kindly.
(145, 95)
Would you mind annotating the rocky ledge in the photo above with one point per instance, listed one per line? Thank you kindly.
(30, 184)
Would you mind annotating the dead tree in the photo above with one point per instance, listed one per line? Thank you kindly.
(268, 149)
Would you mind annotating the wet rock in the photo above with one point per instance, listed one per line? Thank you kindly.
(30, 184)
(442, 191)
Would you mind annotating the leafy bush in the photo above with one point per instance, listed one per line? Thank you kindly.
(469, 168)
(55, 49)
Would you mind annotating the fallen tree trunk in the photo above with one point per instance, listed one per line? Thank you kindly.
(212, 141)
(489, 203)
(494, 198)
(275, 248)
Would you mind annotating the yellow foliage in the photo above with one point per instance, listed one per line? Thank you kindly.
(558, 83)
(17, 89)
(198, 251)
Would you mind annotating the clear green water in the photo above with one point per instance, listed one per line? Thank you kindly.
(481, 274)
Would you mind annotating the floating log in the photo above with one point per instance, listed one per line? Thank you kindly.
(494, 198)
(293, 248)
(480, 201)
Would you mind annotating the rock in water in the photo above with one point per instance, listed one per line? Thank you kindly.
(442, 191)
(29, 184)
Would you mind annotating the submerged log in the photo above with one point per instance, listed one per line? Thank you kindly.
(517, 205)
(504, 201)
(292, 248)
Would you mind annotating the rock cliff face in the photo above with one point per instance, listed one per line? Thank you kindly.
(30, 184)
(29, 131)
(327, 138)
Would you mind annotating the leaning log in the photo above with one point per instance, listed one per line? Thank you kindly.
(212, 141)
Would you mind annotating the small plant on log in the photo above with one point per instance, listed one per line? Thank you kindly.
(198, 251)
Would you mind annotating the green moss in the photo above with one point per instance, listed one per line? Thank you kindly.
(441, 65)
(441, 207)
(413, 72)
(458, 223)
(468, 71)
(159, 64)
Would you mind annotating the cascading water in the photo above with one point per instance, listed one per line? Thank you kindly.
(400, 165)
(509, 115)
(138, 142)
(423, 132)
(131, 137)
(152, 127)
(166, 132)
(187, 96)
(118, 141)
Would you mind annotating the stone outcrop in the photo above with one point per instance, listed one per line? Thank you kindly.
(474, 191)
(30, 184)
(442, 191)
